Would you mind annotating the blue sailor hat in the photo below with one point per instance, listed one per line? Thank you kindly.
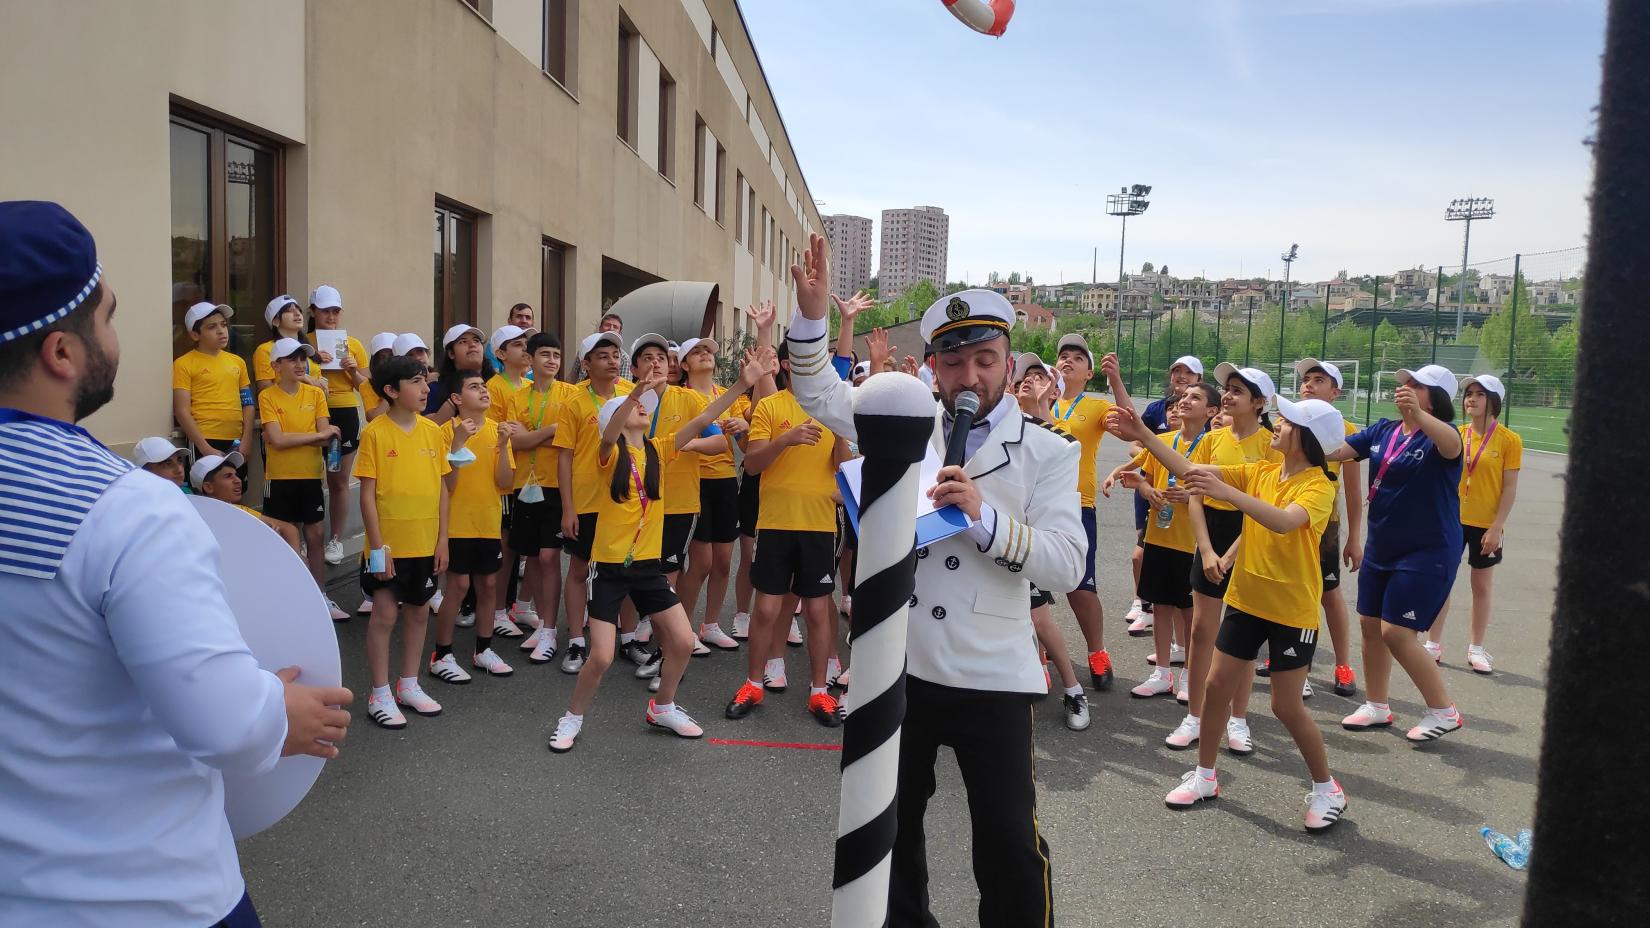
(48, 266)
(965, 318)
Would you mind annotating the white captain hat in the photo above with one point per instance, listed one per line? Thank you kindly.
(966, 318)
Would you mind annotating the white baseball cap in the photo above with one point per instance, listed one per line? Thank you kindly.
(205, 466)
(155, 450)
(599, 338)
(506, 333)
(862, 369)
(200, 311)
(459, 331)
(1432, 375)
(674, 349)
(274, 307)
(692, 343)
(287, 347)
(1490, 383)
(1321, 419)
(650, 338)
(1075, 341)
(1189, 361)
(383, 341)
(649, 401)
(406, 342)
(1305, 366)
(1026, 362)
(1253, 376)
(326, 297)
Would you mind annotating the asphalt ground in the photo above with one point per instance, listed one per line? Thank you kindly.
(467, 819)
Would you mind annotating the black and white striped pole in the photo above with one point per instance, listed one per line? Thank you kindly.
(894, 417)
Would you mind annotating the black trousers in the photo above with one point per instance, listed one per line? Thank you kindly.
(991, 734)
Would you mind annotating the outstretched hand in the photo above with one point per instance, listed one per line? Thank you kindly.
(759, 362)
(876, 344)
(813, 279)
(1125, 424)
(855, 305)
(761, 315)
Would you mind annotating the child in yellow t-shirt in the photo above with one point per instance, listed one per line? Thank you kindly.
(296, 430)
(211, 393)
(1321, 380)
(383, 346)
(214, 476)
(535, 513)
(405, 486)
(625, 549)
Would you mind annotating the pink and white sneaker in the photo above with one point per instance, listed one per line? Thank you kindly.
(1367, 716)
(413, 697)
(1161, 682)
(1436, 724)
(673, 719)
(1193, 789)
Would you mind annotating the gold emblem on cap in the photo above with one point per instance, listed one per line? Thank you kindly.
(956, 309)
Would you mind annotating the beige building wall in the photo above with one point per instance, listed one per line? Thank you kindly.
(384, 106)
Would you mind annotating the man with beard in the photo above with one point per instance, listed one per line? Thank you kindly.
(972, 660)
(126, 673)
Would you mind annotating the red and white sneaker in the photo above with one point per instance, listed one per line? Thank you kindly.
(567, 732)
(1368, 716)
(446, 669)
(1183, 688)
(1193, 789)
(794, 637)
(492, 663)
(1177, 655)
(413, 697)
(503, 627)
(1323, 810)
(1479, 659)
(1141, 627)
(1436, 724)
(1185, 734)
(1160, 683)
(1238, 739)
(672, 719)
(384, 713)
(524, 614)
(1434, 650)
(713, 635)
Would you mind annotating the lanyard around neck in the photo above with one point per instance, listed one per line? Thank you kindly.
(1386, 462)
(641, 495)
(1189, 449)
(1472, 459)
(1069, 409)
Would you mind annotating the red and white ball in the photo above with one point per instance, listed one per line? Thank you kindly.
(988, 16)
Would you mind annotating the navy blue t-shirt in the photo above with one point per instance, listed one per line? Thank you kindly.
(1415, 517)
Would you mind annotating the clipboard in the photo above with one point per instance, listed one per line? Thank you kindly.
(334, 342)
(934, 524)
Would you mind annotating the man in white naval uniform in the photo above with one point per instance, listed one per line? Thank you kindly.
(125, 685)
(972, 658)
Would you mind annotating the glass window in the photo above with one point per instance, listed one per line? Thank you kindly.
(699, 133)
(455, 268)
(558, 38)
(667, 125)
(721, 181)
(627, 108)
(553, 296)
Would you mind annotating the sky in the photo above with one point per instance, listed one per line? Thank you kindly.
(1346, 126)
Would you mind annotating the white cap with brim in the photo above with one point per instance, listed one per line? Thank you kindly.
(1026, 363)
(406, 343)
(326, 297)
(1306, 365)
(1190, 362)
(459, 331)
(649, 401)
(592, 341)
(1432, 375)
(200, 311)
(966, 318)
(383, 341)
(1253, 376)
(205, 466)
(709, 345)
(646, 339)
(674, 349)
(862, 369)
(1075, 341)
(1490, 383)
(1321, 419)
(155, 450)
(274, 307)
(509, 333)
(287, 347)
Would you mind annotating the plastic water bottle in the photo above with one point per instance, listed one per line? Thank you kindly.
(1514, 854)
(1165, 515)
(335, 458)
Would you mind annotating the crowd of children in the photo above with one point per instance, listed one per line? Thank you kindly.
(475, 478)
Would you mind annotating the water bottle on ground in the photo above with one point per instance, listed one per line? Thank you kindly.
(1513, 853)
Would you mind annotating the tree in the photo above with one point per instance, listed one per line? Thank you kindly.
(1013, 277)
(955, 286)
(1146, 268)
(874, 287)
(992, 279)
(1165, 271)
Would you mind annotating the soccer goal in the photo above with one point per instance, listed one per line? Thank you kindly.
(1352, 385)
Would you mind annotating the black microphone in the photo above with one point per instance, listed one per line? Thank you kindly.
(967, 405)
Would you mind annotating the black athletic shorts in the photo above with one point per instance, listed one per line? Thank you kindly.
(1329, 555)
(718, 510)
(794, 562)
(750, 503)
(478, 557)
(1040, 597)
(847, 538)
(580, 547)
(643, 582)
(535, 526)
(348, 420)
(224, 446)
(1165, 576)
(1241, 636)
(673, 550)
(301, 502)
(412, 585)
(1474, 538)
(1224, 528)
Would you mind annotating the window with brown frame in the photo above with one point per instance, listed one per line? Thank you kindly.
(560, 22)
(721, 182)
(699, 133)
(739, 207)
(555, 258)
(667, 125)
(484, 7)
(627, 114)
(227, 226)
(455, 267)
(752, 230)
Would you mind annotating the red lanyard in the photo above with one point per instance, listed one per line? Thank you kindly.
(1472, 459)
(641, 494)
(1387, 461)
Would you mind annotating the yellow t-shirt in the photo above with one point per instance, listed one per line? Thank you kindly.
(341, 392)
(503, 393)
(797, 486)
(1277, 576)
(477, 505)
(680, 484)
(1220, 447)
(719, 465)
(576, 431)
(534, 410)
(617, 523)
(218, 389)
(1490, 460)
(1085, 420)
(295, 413)
(1179, 536)
(408, 466)
(263, 370)
(370, 399)
(1335, 468)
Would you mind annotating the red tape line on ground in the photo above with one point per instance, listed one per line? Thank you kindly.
(775, 744)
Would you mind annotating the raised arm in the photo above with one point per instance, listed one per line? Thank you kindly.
(1114, 380)
(759, 363)
(1208, 482)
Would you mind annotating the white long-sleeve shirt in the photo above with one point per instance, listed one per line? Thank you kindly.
(125, 688)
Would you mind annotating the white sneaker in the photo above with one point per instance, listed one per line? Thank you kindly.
(1436, 724)
(503, 627)
(644, 629)
(674, 720)
(523, 613)
(492, 663)
(716, 638)
(383, 711)
(1238, 740)
(567, 731)
(1477, 658)
(1161, 681)
(840, 681)
(531, 641)
(1183, 688)
(741, 626)
(1077, 711)
(847, 605)
(1306, 689)
(574, 661)
(1141, 626)
(446, 670)
(794, 639)
(1136, 610)
(544, 650)
(1192, 790)
(651, 667)
(466, 619)
(1367, 716)
(833, 670)
(635, 652)
(333, 552)
(338, 615)
(436, 600)
(1185, 734)
(1434, 650)
(413, 697)
(1324, 809)
(773, 676)
(699, 648)
(1177, 655)
(365, 608)
(654, 684)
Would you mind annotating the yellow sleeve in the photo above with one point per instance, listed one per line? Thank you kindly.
(567, 426)
(261, 368)
(1241, 476)
(358, 353)
(245, 381)
(666, 447)
(180, 373)
(1319, 502)
(267, 410)
(1512, 457)
(366, 459)
(761, 422)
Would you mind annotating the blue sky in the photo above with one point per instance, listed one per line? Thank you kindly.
(1344, 125)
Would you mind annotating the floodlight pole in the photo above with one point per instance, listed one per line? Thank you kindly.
(1128, 201)
(1465, 210)
(1283, 310)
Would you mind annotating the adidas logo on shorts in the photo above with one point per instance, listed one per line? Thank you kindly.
(1410, 615)
(1290, 653)
(825, 579)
